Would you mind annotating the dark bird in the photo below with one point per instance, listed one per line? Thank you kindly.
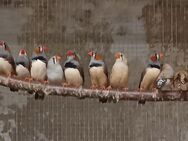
(23, 64)
(165, 77)
(73, 71)
(119, 74)
(151, 72)
(7, 64)
(98, 71)
(39, 63)
(54, 70)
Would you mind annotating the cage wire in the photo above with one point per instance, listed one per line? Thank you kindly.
(135, 27)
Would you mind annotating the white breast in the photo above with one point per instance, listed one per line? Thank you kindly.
(149, 78)
(55, 74)
(38, 70)
(5, 67)
(73, 77)
(119, 75)
(98, 77)
(22, 71)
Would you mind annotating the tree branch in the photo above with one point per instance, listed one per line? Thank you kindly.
(112, 95)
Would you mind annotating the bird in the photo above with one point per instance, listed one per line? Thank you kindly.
(22, 64)
(119, 73)
(39, 63)
(165, 77)
(73, 71)
(54, 70)
(98, 71)
(7, 63)
(151, 72)
(180, 80)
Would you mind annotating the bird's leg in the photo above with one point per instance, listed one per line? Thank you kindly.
(66, 84)
(125, 89)
(141, 90)
(8, 74)
(29, 79)
(109, 87)
(93, 87)
(155, 90)
(103, 88)
(45, 82)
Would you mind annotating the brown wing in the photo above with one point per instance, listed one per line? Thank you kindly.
(142, 76)
(80, 68)
(106, 72)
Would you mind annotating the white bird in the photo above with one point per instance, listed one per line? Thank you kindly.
(54, 70)
(119, 74)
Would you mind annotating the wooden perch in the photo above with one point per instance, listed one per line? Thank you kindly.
(112, 95)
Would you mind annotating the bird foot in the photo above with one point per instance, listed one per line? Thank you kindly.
(28, 79)
(45, 82)
(109, 88)
(93, 87)
(126, 89)
(8, 75)
(66, 84)
(141, 90)
(155, 90)
(103, 88)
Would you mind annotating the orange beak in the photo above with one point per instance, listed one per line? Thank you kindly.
(117, 55)
(90, 53)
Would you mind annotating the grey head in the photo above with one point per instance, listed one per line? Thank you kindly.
(39, 53)
(4, 50)
(156, 60)
(54, 61)
(73, 62)
(6, 53)
(96, 59)
(23, 59)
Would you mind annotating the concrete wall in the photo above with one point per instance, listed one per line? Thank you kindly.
(136, 27)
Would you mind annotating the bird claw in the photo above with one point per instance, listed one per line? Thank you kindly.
(126, 89)
(141, 90)
(109, 88)
(46, 82)
(29, 79)
(66, 85)
(103, 88)
(93, 87)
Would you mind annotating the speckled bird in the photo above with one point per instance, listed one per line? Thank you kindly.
(7, 64)
(119, 74)
(165, 77)
(98, 71)
(73, 71)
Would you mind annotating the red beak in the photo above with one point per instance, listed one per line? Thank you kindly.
(90, 53)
